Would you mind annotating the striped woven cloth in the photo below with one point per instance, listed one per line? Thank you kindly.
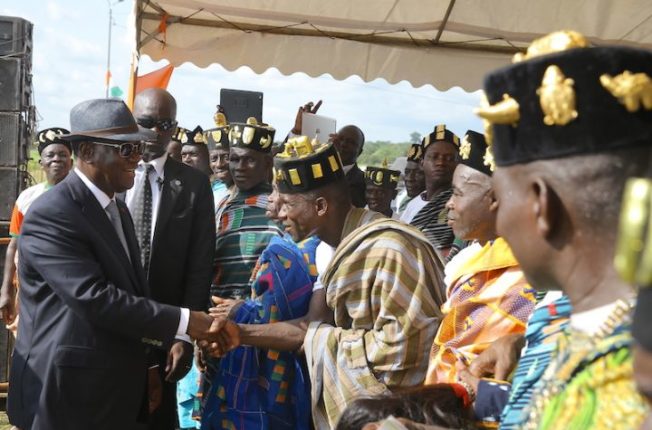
(432, 220)
(385, 287)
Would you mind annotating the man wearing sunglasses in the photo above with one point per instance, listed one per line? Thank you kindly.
(86, 323)
(175, 228)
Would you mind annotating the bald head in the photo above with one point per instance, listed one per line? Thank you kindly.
(155, 101)
(156, 109)
(349, 142)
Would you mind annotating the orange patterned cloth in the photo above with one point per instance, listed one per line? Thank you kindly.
(487, 298)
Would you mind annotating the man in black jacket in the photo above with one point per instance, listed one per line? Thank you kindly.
(175, 228)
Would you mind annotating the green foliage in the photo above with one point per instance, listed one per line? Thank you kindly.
(374, 153)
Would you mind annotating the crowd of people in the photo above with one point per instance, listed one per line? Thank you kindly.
(229, 278)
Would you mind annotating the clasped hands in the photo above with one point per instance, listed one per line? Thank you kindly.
(215, 334)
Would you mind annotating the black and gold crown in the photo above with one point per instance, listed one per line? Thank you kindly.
(564, 98)
(51, 135)
(415, 153)
(218, 137)
(440, 134)
(192, 137)
(251, 135)
(382, 176)
(475, 153)
(307, 165)
(179, 133)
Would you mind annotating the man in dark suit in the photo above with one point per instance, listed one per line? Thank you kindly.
(349, 142)
(81, 360)
(176, 236)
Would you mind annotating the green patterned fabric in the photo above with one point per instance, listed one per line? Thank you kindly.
(243, 232)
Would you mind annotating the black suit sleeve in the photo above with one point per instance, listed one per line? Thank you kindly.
(68, 265)
(199, 263)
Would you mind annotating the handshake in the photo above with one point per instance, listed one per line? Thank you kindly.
(214, 332)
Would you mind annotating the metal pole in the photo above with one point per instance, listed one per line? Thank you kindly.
(108, 56)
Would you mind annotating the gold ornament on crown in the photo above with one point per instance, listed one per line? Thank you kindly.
(265, 141)
(235, 134)
(220, 119)
(488, 159)
(217, 135)
(632, 90)
(505, 112)
(557, 97)
(465, 148)
(553, 42)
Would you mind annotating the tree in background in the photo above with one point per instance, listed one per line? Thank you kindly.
(415, 137)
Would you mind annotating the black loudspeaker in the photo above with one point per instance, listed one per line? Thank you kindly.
(15, 36)
(11, 181)
(14, 139)
(15, 84)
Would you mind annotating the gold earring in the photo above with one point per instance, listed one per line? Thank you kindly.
(633, 259)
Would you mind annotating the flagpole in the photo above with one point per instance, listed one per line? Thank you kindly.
(108, 55)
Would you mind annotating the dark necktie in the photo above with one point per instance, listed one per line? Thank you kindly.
(143, 216)
(114, 217)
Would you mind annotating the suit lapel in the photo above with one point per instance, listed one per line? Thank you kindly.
(99, 219)
(172, 188)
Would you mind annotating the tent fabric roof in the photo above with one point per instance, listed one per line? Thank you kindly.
(440, 42)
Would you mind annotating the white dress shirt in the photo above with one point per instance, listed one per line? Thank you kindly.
(103, 199)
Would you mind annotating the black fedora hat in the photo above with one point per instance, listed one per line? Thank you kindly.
(105, 120)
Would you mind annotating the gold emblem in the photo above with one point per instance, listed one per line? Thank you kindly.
(394, 178)
(505, 112)
(379, 177)
(217, 135)
(252, 121)
(440, 128)
(279, 175)
(333, 163)
(488, 159)
(385, 164)
(183, 137)
(557, 97)
(294, 177)
(440, 135)
(302, 146)
(317, 171)
(220, 119)
(248, 135)
(265, 141)
(465, 148)
(198, 138)
(553, 42)
(486, 124)
(235, 134)
(631, 89)
(412, 153)
(426, 142)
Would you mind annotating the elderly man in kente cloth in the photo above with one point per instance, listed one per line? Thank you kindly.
(383, 290)
(487, 294)
(427, 212)
(268, 388)
(381, 185)
(570, 123)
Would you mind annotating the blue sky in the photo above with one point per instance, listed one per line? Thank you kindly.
(69, 63)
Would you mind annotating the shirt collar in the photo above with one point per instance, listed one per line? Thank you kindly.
(102, 198)
(157, 163)
(347, 168)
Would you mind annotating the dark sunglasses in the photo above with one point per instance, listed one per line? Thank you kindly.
(161, 124)
(126, 150)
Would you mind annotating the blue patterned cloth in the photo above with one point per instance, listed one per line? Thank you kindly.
(497, 401)
(267, 389)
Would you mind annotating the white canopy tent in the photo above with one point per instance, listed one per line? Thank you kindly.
(440, 42)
